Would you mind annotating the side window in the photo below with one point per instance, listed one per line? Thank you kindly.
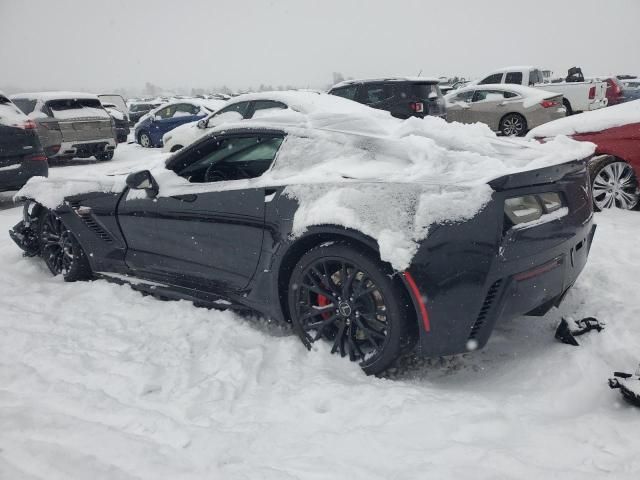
(348, 92)
(166, 112)
(495, 78)
(464, 96)
(185, 110)
(510, 95)
(267, 105)
(228, 159)
(488, 95)
(240, 107)
(376, 92)
(514, 77)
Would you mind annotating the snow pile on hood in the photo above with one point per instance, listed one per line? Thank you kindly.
(587, 122)
(388, 178)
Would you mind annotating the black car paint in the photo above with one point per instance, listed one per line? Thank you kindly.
(237, 245)
(21, 157)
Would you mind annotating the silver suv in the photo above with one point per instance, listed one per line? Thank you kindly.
(70, 124)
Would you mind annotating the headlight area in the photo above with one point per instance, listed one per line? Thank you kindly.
(533, 209)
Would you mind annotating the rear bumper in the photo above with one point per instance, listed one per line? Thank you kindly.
(85, 148)
(15, 176)
(527, 285)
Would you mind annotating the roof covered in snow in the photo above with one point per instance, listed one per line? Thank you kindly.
(594, 121)
(388, 79)
(46, 96)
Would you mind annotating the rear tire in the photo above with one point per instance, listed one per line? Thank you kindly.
(567, 106)
(339, 294)
(105, 156)
(513, 125)
(60, 249)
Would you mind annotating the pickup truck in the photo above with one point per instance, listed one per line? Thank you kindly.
(578, 96)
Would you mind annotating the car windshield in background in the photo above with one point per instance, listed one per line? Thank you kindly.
(25, 104)
(3, 100)
(141, 107)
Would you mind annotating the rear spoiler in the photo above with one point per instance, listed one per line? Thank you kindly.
(538, 176)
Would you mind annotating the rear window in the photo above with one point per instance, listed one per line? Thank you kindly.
(26, 104)
(423, 90)
(73, 104)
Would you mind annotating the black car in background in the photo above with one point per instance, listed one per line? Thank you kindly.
(402, 97)
(138, 109)
(224, 236)
(21, 155)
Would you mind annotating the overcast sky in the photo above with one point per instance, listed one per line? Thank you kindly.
(107, 44)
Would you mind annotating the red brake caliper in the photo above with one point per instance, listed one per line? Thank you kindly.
(323, 302)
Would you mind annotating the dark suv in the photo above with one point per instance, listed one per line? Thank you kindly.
(21, 156)
(402, 97)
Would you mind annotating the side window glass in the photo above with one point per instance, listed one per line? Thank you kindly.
(266, 105)
(488, 96)
(377, 92)
(464, 96)
(514, 77)
(229, 159)
(345, 92)
(166, 112)
(495, 78)
(510, 95)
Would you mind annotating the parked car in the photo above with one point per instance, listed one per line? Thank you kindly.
(256, 217)
(577, 96)
(614, 93)
(138, 109)
(403, 97)
(150, 128)
(70, 124)
(242, 107)
(631, 89)
(120, 120)
(615, 168)
(21, 156)
(509, 109)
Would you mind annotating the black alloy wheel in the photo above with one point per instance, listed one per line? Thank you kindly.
(61, 251)
(340, 295)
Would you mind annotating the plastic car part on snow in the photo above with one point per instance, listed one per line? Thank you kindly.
(566, 335)
(629, 385)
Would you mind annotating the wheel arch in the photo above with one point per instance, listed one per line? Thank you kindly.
(318, 235)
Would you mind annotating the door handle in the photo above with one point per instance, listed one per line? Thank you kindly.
(189, 197)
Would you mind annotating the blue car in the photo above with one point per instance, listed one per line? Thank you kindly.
(150, 129)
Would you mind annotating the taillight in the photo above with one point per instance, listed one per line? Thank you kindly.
(417, 107)
(51, 125)
(29, 125)
(37, 157)
(548, 103)
(592, 93)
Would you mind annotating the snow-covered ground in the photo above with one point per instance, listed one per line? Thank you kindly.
(97, 381)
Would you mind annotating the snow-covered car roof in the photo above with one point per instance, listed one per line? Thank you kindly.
(47, 96)
(387, 79)
(513, 68)
(594, 121)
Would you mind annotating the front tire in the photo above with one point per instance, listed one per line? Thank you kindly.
(145, 140)
(613, 184)
(343, 296)
(60, 249)
(513, 125)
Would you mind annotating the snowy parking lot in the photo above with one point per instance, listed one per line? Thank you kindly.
(98, 381)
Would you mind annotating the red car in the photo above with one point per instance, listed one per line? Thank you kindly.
(615, 95)
(615, 168)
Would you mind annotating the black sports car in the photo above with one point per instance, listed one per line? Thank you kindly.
(222, 239)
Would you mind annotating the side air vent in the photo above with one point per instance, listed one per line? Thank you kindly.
(85, 215)
(484, 311)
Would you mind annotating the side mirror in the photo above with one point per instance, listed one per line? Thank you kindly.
(143, 180)
(202, 124)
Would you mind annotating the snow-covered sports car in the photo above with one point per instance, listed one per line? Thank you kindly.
(371, 233)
